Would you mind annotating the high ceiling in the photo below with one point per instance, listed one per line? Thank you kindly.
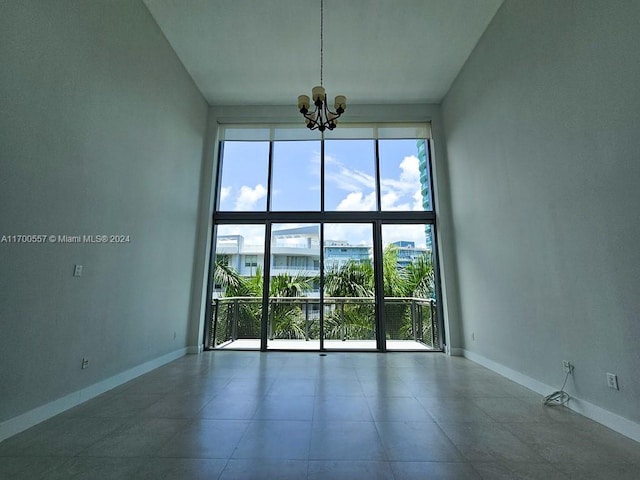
(259, 52)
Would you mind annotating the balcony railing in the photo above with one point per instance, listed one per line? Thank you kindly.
(345, 318)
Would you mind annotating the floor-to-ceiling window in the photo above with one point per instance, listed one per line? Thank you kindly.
(324, 243)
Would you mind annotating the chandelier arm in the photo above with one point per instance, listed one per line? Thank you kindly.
(312, 117)
(333, 113)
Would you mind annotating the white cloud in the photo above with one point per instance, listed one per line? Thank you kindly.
(412, 233)
(417, 201)
(409, 176)
(401, 192)
(314, 162)
(224, 193)
(403, 189)
(253, 235)
(358, 201)
(345, 178)
(354, 233)
(410, 167)
(249, 196)
(389, 200)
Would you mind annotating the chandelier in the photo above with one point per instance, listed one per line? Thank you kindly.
(321, 118)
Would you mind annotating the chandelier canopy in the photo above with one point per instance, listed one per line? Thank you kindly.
(321, 118)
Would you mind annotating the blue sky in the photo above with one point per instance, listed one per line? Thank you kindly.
(349, 176)
(349, 182)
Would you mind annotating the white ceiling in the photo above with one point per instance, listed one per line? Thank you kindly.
(259, 52)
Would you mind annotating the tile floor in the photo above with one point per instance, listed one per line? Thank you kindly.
(292, 415)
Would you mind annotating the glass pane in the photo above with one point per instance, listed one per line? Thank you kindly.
(409, 288)
(294, 297)
(405, 175)
(349, 307)
(243, 186)
(237, 287)
(349, 175)
(296, 176)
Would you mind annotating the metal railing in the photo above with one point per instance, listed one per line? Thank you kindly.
(410, 318)
(345, 318)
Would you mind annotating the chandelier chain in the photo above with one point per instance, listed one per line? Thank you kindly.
(321, 38)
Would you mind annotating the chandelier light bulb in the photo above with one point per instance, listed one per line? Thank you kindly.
(303, 104)
(318, 95)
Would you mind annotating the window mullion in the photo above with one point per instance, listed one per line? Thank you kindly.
(378, 178)
(270, 177)
(322, 174)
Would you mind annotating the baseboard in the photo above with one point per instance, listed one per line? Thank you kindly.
(195, 350)
(27, 420)
(598, 414)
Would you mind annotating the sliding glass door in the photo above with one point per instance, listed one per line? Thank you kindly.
(237, 285)
(294, 287)
(410, 307)
(349, 295)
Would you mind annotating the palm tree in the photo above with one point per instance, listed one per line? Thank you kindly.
(419, 278)
(419, 284)
(350, 319)
(395, 285)
(416, 280)
(353, 279)
(245, 314)
(284, 285)
(228, 278)
(287, 318)
(395, 282)
(346, 319)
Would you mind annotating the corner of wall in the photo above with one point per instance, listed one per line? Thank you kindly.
(203, 235)
(22, 422)
(598, 414)
(446, 235)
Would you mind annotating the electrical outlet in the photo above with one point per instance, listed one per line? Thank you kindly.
(77, 271)
(612, 381)
(85, 363)
(568, 366)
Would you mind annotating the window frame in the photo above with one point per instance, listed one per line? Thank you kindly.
(376, 217)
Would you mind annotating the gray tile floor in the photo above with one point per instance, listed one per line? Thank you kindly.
(277, 415)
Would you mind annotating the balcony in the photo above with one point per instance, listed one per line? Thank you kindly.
(294, 323)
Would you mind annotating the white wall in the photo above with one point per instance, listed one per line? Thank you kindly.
(101, 132)
(542, 129)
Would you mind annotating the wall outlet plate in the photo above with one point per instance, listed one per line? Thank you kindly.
(85, 363)
(568, 366)
(612, 381)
